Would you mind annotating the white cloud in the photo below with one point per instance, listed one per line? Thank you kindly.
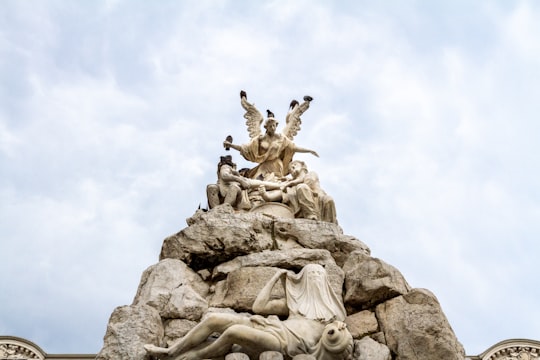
(428, 147)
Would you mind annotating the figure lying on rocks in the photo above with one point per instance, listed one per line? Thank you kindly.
(313, 325)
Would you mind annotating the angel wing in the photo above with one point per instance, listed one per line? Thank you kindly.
(253, 117)
(293, 121)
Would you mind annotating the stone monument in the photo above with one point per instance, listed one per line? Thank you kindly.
(267, 273)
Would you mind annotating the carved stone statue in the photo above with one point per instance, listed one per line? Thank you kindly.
(314, 323)
(229, 187)
(232, 186)
(272, 151)
(303, 194)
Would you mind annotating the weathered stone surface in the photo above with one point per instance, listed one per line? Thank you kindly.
(218, 235)
(319, 235)
(368, 349)
(176, 328)
(304, 357)
(129, 328)
(185, 303)
(378, 337)
(416, 328)
(370, 281)
(236, 356)
(271, 355)
(362, 324)
(160, 281)
(224, 259)
(286, 259)
(221, 234)
(243, 285)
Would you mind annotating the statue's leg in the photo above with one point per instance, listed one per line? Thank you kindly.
(231, 197)
(242, 335)
(212, 194)
(306, 202)
(328, 209)
(217, 322)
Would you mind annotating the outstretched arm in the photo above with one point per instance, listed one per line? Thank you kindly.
(228, 144)
(303, 150)
(295, 181)
(263, 305)
(228, 174)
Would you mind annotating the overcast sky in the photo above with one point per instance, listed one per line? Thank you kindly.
(113, 114)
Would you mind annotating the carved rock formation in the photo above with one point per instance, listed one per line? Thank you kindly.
(221, 261)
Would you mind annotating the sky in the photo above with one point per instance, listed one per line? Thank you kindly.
(113, 114)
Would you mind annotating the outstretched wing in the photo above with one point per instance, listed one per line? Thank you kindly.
(253, 117)
(293, 120)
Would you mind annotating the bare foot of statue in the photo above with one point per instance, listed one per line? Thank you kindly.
(155, 350)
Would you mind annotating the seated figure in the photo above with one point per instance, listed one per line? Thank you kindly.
(232, 186)
(303, 194)
(229, 187)
(313, 326)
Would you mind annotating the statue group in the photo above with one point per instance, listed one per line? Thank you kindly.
(277, 178)
(313, 326)
(309, 319)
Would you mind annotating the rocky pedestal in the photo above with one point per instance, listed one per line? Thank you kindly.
(222, 260)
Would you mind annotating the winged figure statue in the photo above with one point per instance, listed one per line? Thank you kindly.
(272, 151)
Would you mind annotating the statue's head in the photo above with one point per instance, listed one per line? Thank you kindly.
(314, 272)
(244, 171)
(271, 125)
(296, 166)
(226, 160)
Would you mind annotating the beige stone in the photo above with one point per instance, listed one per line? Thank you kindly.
(315, 315)
(158, 283)
(416, 328)
(271, 355)
(369, 349)
(185, 303)
(370, 281)
(220, 235)
(362, 323)
(236, 356)
(379, 337)
(129, 328)
(287, 259)
(217, 236)
(304, 357)
(176, 328)
(319, 235)
(243, 285)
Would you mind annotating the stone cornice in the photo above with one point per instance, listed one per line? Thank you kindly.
(12, 347)
(511, 349)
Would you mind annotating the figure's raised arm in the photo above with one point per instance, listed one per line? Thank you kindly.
(264, 305)
(229, 145)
